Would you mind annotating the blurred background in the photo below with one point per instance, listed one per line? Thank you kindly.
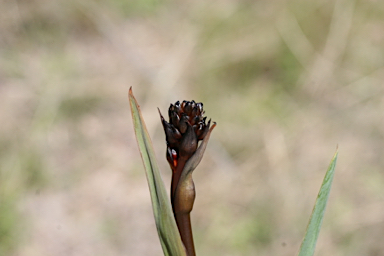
(286, 82)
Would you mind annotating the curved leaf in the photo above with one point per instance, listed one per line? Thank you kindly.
(166, 226)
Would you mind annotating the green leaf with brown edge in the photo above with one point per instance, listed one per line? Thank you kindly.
(166, 226)
(313, 229)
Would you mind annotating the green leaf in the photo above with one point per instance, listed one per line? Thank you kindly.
(166, 225)
(309, 243)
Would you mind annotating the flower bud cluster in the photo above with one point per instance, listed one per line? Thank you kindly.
(186, 127)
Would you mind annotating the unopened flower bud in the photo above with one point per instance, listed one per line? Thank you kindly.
(186, 127)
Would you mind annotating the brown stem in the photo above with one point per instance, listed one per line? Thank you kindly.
(182, 207)
(183, 221)
(175, 178)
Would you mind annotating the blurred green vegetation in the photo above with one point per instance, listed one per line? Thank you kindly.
(9, 221)
(285, 80)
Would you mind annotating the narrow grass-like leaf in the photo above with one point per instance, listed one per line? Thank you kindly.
(309, 243)
(166, 225)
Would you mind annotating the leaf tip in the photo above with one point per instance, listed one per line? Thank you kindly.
(131, 98)
(337, 152)
(130, 93)
(161, 116)
(213, 126)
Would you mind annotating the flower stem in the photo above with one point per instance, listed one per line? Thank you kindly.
(183, 221)
(182, 207)
(175, 178)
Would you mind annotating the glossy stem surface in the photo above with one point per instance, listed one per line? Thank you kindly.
(183, 221)
(175, 178)
(182, 207)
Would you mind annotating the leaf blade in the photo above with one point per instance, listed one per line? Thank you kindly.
(165, 223)
(308, 245)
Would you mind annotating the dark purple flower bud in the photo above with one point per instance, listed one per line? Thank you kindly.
(177, 106)
(188, 108)
(185, 129)
(172, 134)
(200, 108)
(174, 119)
(172, 158)
(195, 120)
(188, 143)
(204, 130)
(194, 115)
(183, 124)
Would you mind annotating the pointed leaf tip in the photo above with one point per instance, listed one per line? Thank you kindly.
(313, 229)
(161, 116)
